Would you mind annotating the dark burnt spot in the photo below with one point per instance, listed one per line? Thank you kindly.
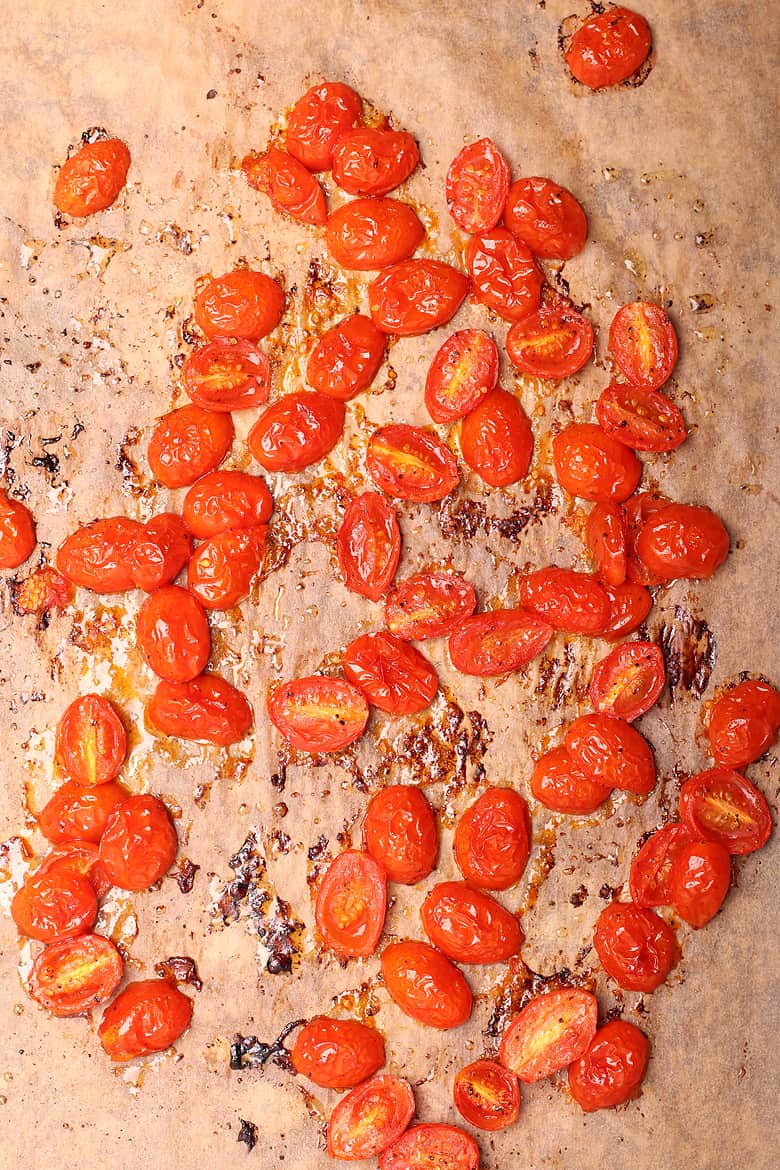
(50, 465)
(280, 932)
(579, 896)
(247, 1134)
(510, 527)
(133, 483)
(94, 134)
(318, 849)
(78, 428)
(176, 237)
(690, 652)
(461, 522)
(249, 1052)
(179, 969)
(608, 893)
(248, 866)
(185, 874)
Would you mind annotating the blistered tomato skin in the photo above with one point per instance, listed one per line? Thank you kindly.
(394, 676)
(477, 186)
(643, 342)
(609, 48)
(241, 304)
(699, 880)
(645, 420)
(463, 371)
(498, 641)
(173, 634)
(606, 536)
(17, 532)
(91, 179)
(415, 296)
(222, 569)
(73, 975)
(159, 552)
(435, 1146)
(146, 1017)
(316, 120)
(493, 839)
(96, 555)
(743, 723)
(487, 1095)
(720, 805)
(227, 375)
(611, 752)
(368, 234)
(568, 600)
(296, 431)
(547, 218)
(593, 466)
(426, 985)
(683, 540)
(400, 833)
(139, 844)
(629, 605)
(226, 500)
(351, 904)
(554, 342)
(208, 709)
(549, 1033)
(188, 443)
(346, 359)
(496, 439)
(411, 463)
(629, 680)
(82, 857)
(318, 714)
(469, 926)
(290, 187)
(558, 784)
(91, 742)
(54, 905)
(611, 1071)
(370, 1118)
(337, 1054)
(504, 275)
(429, 605)
(372, 161)
(76, 813)
(636, 948)
(368, 545)
(650, 869)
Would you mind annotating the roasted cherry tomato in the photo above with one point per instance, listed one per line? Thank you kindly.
(426, 985)
(411, 463)
(550, 1032)
(554, 342)
(629, 680)
(346, 359)
(44, 591)
(629, 605)
(636, 948)
(431, 1147)
(415, 296)
(159, 552)
(400, 833)
(227, 375)
(291, 188)
(368, 545)
(487, 1095)
(643, 342)
(477, 186)
(81, 857)
(493, 839)
(241, 304)
(613, 1068)
(296, 431)
(643, 419)
(606, 536)
(351, 904)
(547, 218)
(147, 1016)
(592, 465)
(743, 723)
(372, 161)
(367, 234)
(318, 714)
(464, 370)
(699, 880)
(73, 975)
(650, 869)
(139, 844)
(224, 566)
(558, 784)
(337, 1054)
(638, 509)
(394, 676)
(683, 540)
(188, 443)
(612, 752)
(316, 120)
(225, 500)
(609, 47)
(568, 600)
(96, 555)
(498, 641)
(208, 708)
(504, 274)
(468, 925)
(370, 1118)
(720, 805)
(76, 813)
(496, 439)
(429, 605)
(58, 904)
(91, 179)
(172, 633)
(17, 532)
(91, 742)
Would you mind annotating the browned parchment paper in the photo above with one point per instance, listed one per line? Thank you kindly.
(677, 180)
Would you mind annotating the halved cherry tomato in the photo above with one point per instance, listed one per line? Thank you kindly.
(477, 186)
(636, 948)
(744, 723)
(499, 641)
(554, 342)
(629, 605)
(296, 431)
(73, 975)
(96, 555)
(42, 591)
(504, 275)
(645, 420)
(225, 500)
(290, 187)
(643, 342)
(496, 439)
(547, 218)
(372, 161)
(638, 509)
(415, 296)
(159, 552)
(76, 813)
(17, 532)
(613, 1068)
(629, 680)
(394, 676)
(346, 359)
(188, 443)
(426, 985)
(224, 566)
(400, 833)
(411, 463)
(609, 47)
(606, 536)
(147, 1016)
(720, 805)
(650, 869)
(172, 633)
(493, 839)
(241, 304)
(81, 857)
(429, 605)
(568, 600)
(468, 925)
(91, 179)
(612, 752)
(431, 1147)
(370, 1118)
(683, 540)
(592, 465)
(351, 904)
(227, 375)
(318, 714)
(91, 742)
(558, 784)
(699, 880)
(139, 844)
(337, 1054)
(487, 1095)
(208, 708)
(59, 904)
(316, 120)
(367, 234)
(550, 1032)
(368, 545)
(463, 371)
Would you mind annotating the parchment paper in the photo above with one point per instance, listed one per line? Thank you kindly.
(676, 177)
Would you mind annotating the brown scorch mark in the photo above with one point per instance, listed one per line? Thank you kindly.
(690, 652)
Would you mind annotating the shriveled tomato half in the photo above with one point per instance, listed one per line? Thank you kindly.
(227, 375)
(188, 443)
(699, 880)
(91, 179)
(394, 676)
(400, 833)
(139, 843)
(76, 813)
(554, 342)
(629, 605)
(80, 857)
(411, 463)
(368, 545)
(316, 120)
(337, 1054)
(367, 234)
(146, 1017)
(318, 714)
(96, 555)
(592, 465)
(643, 342)
(629, 680)
(612, 752)
(549, 1033)
(225, 500)
(635, 946)
(54, 905)
(222, 569)
(289, 185)
(415, 296)
(91, 742)
(73, 975)
(744, 723)
(160, 551)
(683, 540)
(347, 357)
(504, 275)
(613, 1068)
(370, 160)
(240, 304)
(558, 784)
(463, 371)
(207, 709)
(351, 904)
(42, 592)
(496, 439)
(606, 536)
(645, 420)
(17, 532)
(720, 805)
(649, 877)
(296, 431)
(173, 634)
(609, 47)
(487, 1095)
(468, 925)
(498, 641)
(426, 985)
(493, 839)
(370, 1118)
(546, 217)
(566, 599)
(432, 1147)
(477, 186)
(429, 605)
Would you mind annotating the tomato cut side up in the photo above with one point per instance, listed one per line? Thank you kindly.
(222, 569)
(594, 466)
(683, 540)
(487, 1095)
(241, 304)
(394, 676)
(609, 47)
(44, 591)
(744, 723)
(415, 296)
(720, 805)
(477, 186)
(91, 179)
(207, 709)
(289, 185)
(73, 975)
(351, 904)
(188, 443)
(558, 784)
(635, 946)
(17, 532)
(426, 985)
(629, 680)
(547, 218)
(400, 833)
(643, 342)
(496, 439)
(173, 634)
(606, 536)
(410, 463)
(91, 742)
(159, 552)
(372, 161)
(318, 714)
(139, 843)
(225, 500)
(613, 1068)
(504, 275)
(368, 545)
(429, 605)
(645, 420)
(316, 120)
(469, 926)
(568, 600)
(337, 1054)
(463, 371)
(650, 869)
(76, 813)
(96, 555)
(499, 641)
(554, 342)
(612, 752)
(432, 1147)
(367, 234)
(227, 375)
(493, 839)
(549, 1033)
(54, 905)
(699, 880)
(370, 1118)
(147, 1016)
(347, 357)
(296, 431)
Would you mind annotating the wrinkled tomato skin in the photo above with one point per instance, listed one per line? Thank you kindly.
(606, 536)
(469, 926)
(683, 540)
(243, 304)
(547, 218)
(42, 592)
(207, 709)
(559, 785)
(147, 1016)
(643, 342)
(432, 1147)
(346, 359)
(493, 840)
(629, 605)
(613, 1068)
(649, 877)
(612, 752)
(609, 48)
(498, 641)
(568, 600)
(76, 813)
(17, 532)
(91, 179)
(743, 723)
(565, 1019)
(368, 545)
(290, 187)
(159, 552)
(91, 742)
(96, 555)
(411, 463)
(629, 680)
(400, 833)
(316, 120)
(139, 844)
(73, 975)
(226, 500)
(426, 985)
(318, 714)
(477, 186)
(227, 375)
(496, 439)
(429, 605)
(351, 904)
(463, 372)
(372, 161)
(554, 342)
(82, 857)
(593, 466)
(370, 1118)
(368, 234)
(720, 805)
(394, 676)
(188, 443)
(223, 567)
(504, 275)
(173, 634)
(337, 1054)
(415, 296)
(635, 946)
(487, 1095)
(699, 880)
(644, 420)
(296, 431)
(54, 905)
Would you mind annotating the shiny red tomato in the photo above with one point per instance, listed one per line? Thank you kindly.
(241, 304)
(558, 784)
(415, 296)
(368, 545)
(699, 880)
(44, 591)
(96, 555)
(346, 359)
(351, 904)
(431, 1147)
(58, 904)
(426, 985)
(82, 857)
(227, 375)
(592, 465)
(612, 752)
(76, 813)
(429, 605)
(372, 161)
(337, 1054)
(225, 500)
(172, 633)
(498, 641)
(477, 186)
(463, 371)
(744, 723)
(547, 218)
(613, 1068)
(650, 869)
(370, 1118)
(400, 833)
(496, 439)
(159, 552)
(223, 567)
(411, 463)
(720, 805)
(487, 1095)
(609, 47)
(643, 342)
(568, 600)
(147, 1016)
(550, 1032)
(629, 605)
(394, 676)
(17, 532)
(683, 540)
(318, 714)
(366, 234)
(207, 709)
(91, 179)
(296, 431)
(290, 187)
(645, 420)
(316, 120)
(636, 948)
(504, 275)
(73, 975)
(139, 844)
(188, 443)
(629, 680)
(91, 743)
(493, 839)
(554, 342)
(638, 509)
(468, 925)
(606, 536)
